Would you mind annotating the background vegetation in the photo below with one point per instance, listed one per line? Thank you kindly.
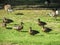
(29, 17)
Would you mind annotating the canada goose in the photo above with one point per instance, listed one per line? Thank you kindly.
(40, 23)
(18, 27)
(46, 29)
(32, 32)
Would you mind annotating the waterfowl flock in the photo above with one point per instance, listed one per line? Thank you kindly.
(21, 26)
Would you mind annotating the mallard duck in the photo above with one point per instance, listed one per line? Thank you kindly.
(41, 23)
(32, 32)
(46, 29)
(18, 27)
(5, 20)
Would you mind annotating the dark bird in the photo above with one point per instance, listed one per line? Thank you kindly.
(32, 32)
(41, 23)
(18, 27)
(46, 29)
(5, 20)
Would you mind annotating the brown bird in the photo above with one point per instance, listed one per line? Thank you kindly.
(5, 20)
(46, 29)
(18, 27)
(32, 32)
(41, 23)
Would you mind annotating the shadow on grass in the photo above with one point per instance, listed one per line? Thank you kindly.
(24, 31)
(19, 14)
(54, 33)
(8, 27)
(39, 35)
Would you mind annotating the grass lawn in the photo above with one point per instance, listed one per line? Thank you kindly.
(29, 17)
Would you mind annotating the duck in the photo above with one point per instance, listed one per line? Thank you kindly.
(41, 23)
(6, 20)
(33, 32)
(18, 27)
(46, 29)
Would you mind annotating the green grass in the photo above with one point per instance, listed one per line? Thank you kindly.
(13, 37)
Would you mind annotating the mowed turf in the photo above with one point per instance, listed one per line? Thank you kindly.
(29, 18)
